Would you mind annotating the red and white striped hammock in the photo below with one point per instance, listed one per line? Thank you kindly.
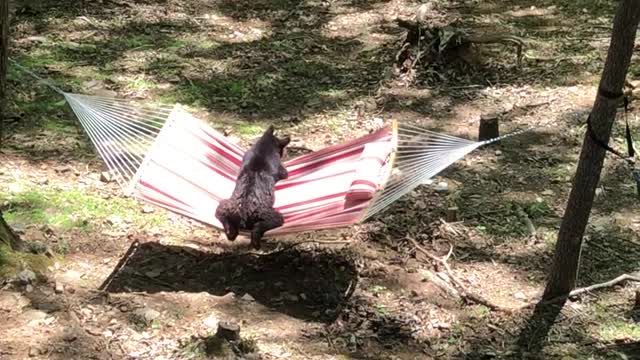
(167, 157)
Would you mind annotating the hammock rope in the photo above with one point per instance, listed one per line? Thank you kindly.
(163, 155)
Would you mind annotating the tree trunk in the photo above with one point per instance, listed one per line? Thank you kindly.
(4, 54)
(566, 260)
(8, 237)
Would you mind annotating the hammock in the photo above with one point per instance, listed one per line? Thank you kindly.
(165, 156)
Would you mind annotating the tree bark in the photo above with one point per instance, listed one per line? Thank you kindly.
(564, 271)
(8, 236)
(4, 54)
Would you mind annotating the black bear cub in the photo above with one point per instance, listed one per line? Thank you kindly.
(251, 204)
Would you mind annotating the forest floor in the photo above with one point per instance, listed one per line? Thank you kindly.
(320, 70)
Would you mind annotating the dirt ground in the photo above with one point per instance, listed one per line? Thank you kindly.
(323, 72)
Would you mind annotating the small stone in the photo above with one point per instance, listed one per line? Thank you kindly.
(441, 326)
(548, 192)
(153, 273)
(11, 301)
(69, 335)
(498, 152)
(441, 187)
(427, 182)
(106, 177)
(211, 322)
(144, 316)
(25, 277)
(71, 276)
(58, 288)
(19, 229)
(34, 351)
(247, 297)
(520, 295)
(28, 288)
(33, 316)
(290, 297)
(147, 209)
(93, 331)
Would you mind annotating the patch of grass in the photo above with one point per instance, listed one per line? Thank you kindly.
(205, 44)
(193, 349)
(68, 209)
(619, 330)
(40, 58)
(382, 309)
(479, 312)
(249, 129)
(537, 209)
(140, 83)
(132, 42)
(333, 93)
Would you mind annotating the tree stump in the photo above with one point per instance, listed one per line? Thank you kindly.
(489, 128)
(228, 331)
(452, 214)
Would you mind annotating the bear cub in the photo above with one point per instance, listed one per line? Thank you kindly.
(251, 204)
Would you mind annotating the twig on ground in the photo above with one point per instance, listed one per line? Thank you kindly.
(462, 290)
(330, 341)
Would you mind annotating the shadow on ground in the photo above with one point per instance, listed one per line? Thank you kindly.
(311, 285)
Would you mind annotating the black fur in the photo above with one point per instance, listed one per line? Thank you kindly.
(251, 204)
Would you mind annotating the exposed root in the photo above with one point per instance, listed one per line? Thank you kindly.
(458, 285)
(427, 44)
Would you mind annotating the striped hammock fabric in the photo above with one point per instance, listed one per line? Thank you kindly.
(169, 158)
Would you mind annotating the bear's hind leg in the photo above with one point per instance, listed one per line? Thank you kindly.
(271, 219)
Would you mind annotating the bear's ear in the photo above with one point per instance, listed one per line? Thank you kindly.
(284, 142)
(269, 130)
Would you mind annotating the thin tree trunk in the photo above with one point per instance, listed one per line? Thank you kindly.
(566, 260)
(4, 54)
(8, 236)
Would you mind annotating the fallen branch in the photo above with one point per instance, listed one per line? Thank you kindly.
(619, 279)
(443, 285)
(624, 277)
(462, 290)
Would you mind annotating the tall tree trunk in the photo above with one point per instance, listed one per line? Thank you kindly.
(566, 260)
(4, 54)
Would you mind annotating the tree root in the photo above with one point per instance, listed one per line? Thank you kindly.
(459, 290)
(446, 43)
(458, 285)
